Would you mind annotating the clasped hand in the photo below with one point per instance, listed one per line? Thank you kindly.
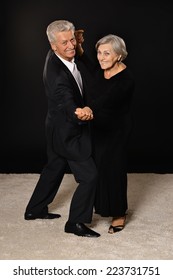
(84, 114)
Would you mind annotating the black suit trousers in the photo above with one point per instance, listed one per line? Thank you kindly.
(85, 174)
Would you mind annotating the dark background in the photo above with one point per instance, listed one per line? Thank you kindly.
(146, 27)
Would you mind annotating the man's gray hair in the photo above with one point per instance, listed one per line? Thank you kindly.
(58, 26)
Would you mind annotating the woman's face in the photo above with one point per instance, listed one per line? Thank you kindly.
(106, 56)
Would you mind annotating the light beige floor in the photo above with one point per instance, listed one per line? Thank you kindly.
(148, 234)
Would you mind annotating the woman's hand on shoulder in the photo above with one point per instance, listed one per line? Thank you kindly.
(79, 41)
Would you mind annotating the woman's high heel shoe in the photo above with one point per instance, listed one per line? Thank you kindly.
(117, 228)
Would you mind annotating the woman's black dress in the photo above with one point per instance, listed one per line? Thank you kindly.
(111, 128)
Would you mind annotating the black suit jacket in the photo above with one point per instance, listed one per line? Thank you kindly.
(67, 136)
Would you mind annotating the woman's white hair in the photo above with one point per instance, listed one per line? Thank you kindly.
(117, 43)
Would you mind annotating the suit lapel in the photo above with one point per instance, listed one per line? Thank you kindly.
(70, 75)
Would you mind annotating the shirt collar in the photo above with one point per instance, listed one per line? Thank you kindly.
(69, 64)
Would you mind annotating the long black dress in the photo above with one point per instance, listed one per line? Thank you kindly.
(111, 128)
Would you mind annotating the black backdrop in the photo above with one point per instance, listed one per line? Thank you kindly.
(146, 27)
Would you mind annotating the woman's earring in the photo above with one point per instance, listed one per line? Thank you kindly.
(119, 59)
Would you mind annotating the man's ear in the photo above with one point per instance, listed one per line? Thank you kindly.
(53, 46)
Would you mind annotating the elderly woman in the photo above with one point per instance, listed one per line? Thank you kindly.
(111, 102)
(112, 125)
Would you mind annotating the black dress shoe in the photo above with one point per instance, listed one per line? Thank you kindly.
(42, 216)
(80, 230)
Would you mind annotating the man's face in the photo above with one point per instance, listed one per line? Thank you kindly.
(65, 45)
